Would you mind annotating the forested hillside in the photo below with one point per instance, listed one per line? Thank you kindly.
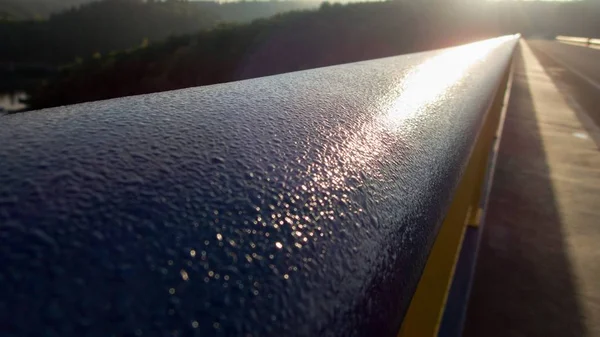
(34, 9)
(113, 25)
(98, 27)
(301, 40)
(230, 11)
(31, 50)
(333, 34)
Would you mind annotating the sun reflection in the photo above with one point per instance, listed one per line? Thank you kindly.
(430, 81)
(352, 156)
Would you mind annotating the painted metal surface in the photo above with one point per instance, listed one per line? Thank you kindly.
(455, 311)
(429, 302)
(303, 204)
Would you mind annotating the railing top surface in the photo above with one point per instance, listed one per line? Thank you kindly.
(297, 204)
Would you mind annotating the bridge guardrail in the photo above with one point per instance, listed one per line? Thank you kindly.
(578, 40)
(327, 202)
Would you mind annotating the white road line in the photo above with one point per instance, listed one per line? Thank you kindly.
(573, 70)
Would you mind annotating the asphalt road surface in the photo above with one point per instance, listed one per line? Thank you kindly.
(579, 59)
(575, 70)
(537, 271)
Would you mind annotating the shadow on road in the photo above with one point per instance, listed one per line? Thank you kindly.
(523, 282)
(582, 98)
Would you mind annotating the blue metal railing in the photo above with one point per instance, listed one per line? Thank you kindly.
(303, 204)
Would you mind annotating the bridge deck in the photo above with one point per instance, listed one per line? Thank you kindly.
(538, 272)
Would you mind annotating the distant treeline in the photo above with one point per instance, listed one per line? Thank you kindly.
(41, 9)
(301, 40)
(114, 25)
(98, 27)
(34, 9)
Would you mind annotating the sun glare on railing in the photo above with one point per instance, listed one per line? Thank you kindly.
(354, 154)
(429, 82)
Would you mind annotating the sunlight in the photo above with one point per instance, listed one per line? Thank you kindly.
(430, 81)
(354, 159)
